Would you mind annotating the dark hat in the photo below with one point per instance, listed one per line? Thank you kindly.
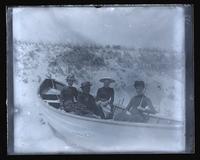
(85, 84)
(107, 79)
(139, 83)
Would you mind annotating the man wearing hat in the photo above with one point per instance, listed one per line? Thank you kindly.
(69, 91)
(75, 107)
(105, 97)
(88, 100)
(139, 106)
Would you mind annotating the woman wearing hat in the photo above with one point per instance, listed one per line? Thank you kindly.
(69, 90)
(105, 97)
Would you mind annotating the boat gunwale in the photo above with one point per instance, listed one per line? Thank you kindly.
(111, 122)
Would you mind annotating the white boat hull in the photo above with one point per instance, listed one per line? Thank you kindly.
(94, 135)
(90, 135)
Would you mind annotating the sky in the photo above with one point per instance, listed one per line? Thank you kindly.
(139, 27)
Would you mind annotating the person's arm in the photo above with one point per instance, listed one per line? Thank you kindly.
(149, 108)
(76, 94)
(130, 104)
(112, 96)
(79, 98)
(62, 98)
(112, 100)
(98, 94)
(97, 110)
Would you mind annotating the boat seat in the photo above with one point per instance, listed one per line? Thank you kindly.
(50, 97)
(55, 105)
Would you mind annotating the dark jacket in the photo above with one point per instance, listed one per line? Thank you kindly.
(105, 94)
(136, 101)
(89, 101)
(68, 93)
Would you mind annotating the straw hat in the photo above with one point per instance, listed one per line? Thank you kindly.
(107, 79)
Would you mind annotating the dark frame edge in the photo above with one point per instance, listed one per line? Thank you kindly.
(189, 78)
(10, 86)
(189, 97)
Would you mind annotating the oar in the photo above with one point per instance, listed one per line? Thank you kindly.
(118, 106)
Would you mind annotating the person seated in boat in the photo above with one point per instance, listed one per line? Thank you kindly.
(75, 107)
(139, 107)
(105, 97)
(88, 100)
(73, 91)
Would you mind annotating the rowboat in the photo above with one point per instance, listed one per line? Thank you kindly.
(91, 135)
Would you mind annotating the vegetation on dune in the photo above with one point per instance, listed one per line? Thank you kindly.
(64, 58)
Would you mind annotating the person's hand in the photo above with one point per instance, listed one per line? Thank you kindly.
(127, 112)
(98, 102)
(141, 108)
(107, 102)
(147, 108)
